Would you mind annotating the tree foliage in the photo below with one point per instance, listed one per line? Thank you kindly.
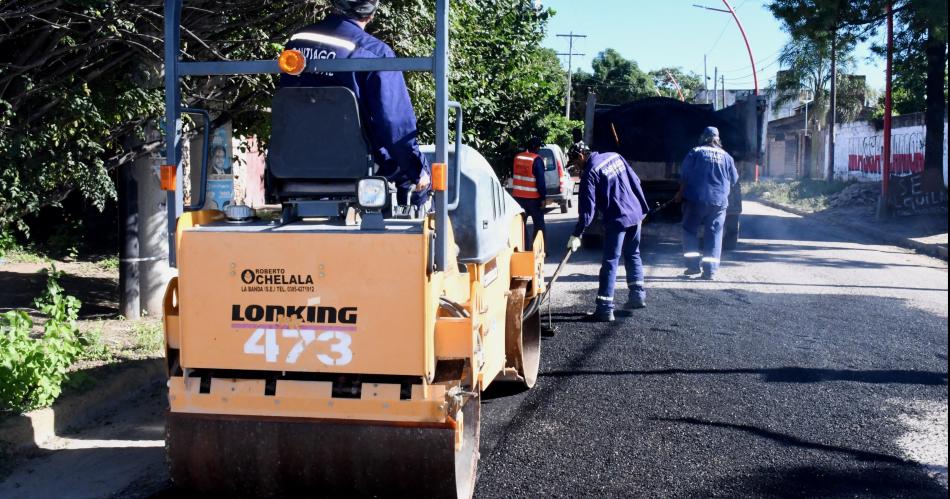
(808, 67)
(911, 33)
(920, 41)
(671, 81)
(80, 80)
(615, 79)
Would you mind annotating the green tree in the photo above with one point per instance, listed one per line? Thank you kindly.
(671, 81)
(921, 42)
(79, 80)
(920, 69)
(807, 64)
(615, 80)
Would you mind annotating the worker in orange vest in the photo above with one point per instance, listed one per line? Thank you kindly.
(529, 189)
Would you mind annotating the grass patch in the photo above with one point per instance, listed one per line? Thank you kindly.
(24, 255)
(109, 264)
(805, 194)
(93, 348)
(148, 335)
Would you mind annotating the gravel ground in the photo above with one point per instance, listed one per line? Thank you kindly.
(815, 366)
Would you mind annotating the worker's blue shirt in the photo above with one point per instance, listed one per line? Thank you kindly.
(708, 174)
(610, 186)
(387, 113)
(538, 169)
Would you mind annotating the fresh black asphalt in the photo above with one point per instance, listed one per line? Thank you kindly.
(741, 388)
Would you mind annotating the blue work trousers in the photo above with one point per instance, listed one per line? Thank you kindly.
(711, 218)
(614, 247)
(533, 208)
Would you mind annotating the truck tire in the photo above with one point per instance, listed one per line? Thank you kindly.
(730, 239)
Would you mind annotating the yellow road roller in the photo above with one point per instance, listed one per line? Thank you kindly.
(340, 347)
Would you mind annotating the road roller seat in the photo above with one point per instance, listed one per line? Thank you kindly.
(318, 148)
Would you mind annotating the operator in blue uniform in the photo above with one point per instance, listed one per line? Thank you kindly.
(529, 188)
(609, 185)
(706, 177)
(387, 113)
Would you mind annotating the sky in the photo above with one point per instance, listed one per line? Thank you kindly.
(674, 33)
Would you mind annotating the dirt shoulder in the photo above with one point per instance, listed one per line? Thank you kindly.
(854, 204)
(119, 356)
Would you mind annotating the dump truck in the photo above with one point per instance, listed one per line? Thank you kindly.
(340, 346)
(655, 134)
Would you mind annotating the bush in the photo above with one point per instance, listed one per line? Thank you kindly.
(32, 370)
(7, 241)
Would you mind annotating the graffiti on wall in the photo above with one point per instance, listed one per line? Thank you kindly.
(907, 154)
(918, 193)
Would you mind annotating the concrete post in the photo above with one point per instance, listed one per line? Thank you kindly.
(153, 269)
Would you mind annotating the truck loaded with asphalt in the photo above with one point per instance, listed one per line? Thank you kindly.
(655, 134)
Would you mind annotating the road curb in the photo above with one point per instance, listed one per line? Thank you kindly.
(934, 250)
(24, 434)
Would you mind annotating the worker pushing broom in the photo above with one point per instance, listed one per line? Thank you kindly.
(609, 184)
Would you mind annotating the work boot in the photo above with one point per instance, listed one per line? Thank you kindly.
(692, 271)
(707, 276)
(603, 315)
(634, 302)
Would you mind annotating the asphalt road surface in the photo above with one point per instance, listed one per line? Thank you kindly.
(816, 365)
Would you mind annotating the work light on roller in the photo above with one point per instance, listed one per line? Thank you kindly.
(292, 62)
(371, 192)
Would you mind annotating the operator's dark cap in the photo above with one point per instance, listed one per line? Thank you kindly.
(710, 132)
(357, 9)
(535, 143)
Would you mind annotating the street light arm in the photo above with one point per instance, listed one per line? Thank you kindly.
(711, 8)
(755, 75)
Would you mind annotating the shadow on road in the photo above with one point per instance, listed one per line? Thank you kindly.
(789, 440)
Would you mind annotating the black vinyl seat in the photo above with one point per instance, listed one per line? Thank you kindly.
(318, 149)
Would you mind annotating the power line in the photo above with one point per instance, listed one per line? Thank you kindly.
(725, 26)
(759, 71)
(771, 57)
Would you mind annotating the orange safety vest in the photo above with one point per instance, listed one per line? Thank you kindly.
(524, 184)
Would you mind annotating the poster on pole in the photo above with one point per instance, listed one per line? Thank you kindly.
(220, 194)
(220, 186)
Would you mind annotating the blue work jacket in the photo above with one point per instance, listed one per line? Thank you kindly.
(538, 169)
(609, 185)
(387, 113)
(708, 173)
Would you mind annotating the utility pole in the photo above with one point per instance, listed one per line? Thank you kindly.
(833, 112)
(723, 76)
(715, 88)
(570, 68)
(705, 79)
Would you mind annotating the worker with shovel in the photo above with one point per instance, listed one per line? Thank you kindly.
(609, 185)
